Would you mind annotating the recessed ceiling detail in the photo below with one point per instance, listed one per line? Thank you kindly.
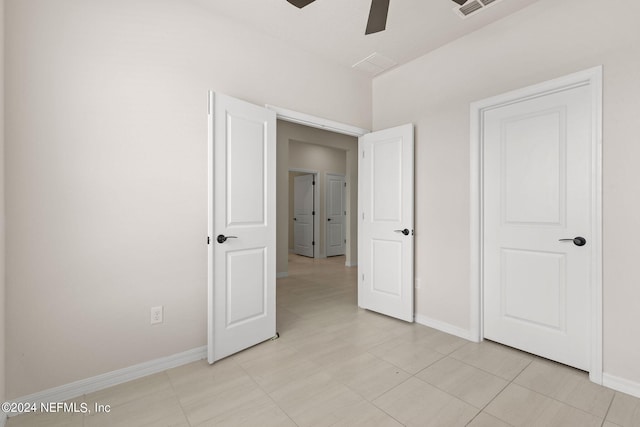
(375, 64)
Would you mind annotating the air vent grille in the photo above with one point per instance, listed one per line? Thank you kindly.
(470, 7)
(473, 7)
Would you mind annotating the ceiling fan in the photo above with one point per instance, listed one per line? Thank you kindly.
(377, 15)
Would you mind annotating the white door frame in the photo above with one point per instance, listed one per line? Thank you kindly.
(332, 126)
(593, 78)
(316, 203)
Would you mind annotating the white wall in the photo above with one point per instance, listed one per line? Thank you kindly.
(106, 172)
(546, 40)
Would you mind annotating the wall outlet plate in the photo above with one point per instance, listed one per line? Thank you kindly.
(156, 315)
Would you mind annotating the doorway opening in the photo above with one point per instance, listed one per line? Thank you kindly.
(320, 154)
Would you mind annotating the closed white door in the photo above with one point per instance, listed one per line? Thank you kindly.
(385, 205)
(303, 213)
(242, 225)
(537, 224)
(336, 214)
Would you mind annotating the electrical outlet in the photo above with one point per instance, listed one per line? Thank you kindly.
(156, 314)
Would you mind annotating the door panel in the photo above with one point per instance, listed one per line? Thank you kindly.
(303, 213)
(336, 211)
(245, 200)
(245, 287)
(385, 206)
(242, 166)
(537, 190)
(534, 287)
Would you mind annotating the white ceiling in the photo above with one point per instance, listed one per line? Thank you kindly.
(334, 29)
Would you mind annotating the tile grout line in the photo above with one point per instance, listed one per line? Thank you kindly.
(178, 398)
(604, 419)
(266, 392)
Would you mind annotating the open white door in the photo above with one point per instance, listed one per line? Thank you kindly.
(336, 214)
(303, 213)
(385, 250)
(242, 225)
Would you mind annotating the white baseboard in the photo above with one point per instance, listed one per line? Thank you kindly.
(621, 384)
(351, 264)
(109, 379)
(444, 327)
(282, 274)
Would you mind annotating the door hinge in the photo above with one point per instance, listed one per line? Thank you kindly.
(363, 277)
(363, 154)
(345, 184)
(313, 183)
(345, 241)
(313, 212)
(313, 243)
(362, 215)
(208, 240)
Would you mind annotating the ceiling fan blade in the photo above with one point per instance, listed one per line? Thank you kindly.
(377, 16)
(460, 2)
(300, 3)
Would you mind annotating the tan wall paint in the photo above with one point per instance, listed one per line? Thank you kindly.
(106, 172)
(2, 215)
(546, 40)
(315, 139)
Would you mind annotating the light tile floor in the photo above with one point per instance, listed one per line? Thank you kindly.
(335, 364)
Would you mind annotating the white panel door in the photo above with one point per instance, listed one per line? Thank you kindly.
(303, 213)
(336, 214)
(385, 250)
(242, 225)
(537, 192)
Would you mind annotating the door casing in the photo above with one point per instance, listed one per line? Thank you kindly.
(593, 78)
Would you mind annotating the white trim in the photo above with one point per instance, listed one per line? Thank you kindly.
(593, 78)
(109, 379)
(621, 384)
(316, 122)
(444, 327)
(282, 274)
(350, 264)
(210, 225)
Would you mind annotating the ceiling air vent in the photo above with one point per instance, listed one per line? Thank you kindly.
(472, 7)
